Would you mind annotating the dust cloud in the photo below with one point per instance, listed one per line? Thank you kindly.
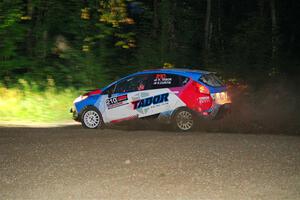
(269, 108)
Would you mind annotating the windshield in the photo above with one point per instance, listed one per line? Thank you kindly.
(211, 80)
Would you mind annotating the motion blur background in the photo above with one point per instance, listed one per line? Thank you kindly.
(51, 50)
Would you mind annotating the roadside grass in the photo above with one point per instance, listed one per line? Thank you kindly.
(29, 104)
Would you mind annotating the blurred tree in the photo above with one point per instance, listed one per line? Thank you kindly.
(274, 33)
(92, 42)
(12, 34)
(208, 27)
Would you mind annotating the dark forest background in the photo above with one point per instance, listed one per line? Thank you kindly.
(91, 42)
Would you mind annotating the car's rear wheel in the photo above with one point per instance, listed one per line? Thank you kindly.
(91, 118)
(184, 120)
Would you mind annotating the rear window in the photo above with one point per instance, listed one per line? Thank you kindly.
(211, 80)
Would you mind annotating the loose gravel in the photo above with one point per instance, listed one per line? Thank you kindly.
(75, 163)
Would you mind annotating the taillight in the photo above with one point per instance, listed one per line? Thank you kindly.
(202, 89)
(221, 98)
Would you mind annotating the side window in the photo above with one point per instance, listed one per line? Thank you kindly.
(135, 83)
(110, 90)
(164, 80)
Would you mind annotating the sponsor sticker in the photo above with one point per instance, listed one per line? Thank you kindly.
(162, 79)
(203, 100)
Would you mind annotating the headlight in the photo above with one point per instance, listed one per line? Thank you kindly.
(80, 98)
(84, 97)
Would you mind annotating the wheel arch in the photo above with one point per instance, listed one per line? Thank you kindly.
(88, 108)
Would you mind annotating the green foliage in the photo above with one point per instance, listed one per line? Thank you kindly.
(28, 104)
(75, 43)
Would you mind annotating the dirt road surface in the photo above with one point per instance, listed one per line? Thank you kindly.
(74, 163)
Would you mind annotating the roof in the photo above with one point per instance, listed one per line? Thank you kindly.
(179, 71)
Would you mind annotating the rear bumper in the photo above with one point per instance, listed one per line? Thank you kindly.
(220, 110)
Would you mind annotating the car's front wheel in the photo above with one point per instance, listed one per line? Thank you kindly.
(184, 120)
(91, 118)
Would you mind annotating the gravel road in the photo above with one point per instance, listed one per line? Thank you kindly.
(74, 163)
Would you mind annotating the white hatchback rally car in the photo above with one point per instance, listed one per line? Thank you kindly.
(176, 96)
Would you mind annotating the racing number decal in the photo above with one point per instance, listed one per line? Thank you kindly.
(162, 79)
(111, 101)
(161, 76)
(116, 101)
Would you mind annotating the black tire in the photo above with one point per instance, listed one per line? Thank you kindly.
(91, 118)
(184, 120)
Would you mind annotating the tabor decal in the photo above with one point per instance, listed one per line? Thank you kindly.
(150, 101)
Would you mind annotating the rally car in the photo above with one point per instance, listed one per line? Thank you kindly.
(176, 96)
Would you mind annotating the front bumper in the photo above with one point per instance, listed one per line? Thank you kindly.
(75, 115)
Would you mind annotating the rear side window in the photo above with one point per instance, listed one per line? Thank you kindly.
(211, 80)
(163, 80)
